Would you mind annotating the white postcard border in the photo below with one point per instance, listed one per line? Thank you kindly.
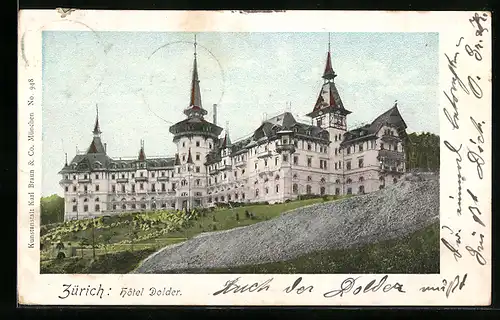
(36, 289)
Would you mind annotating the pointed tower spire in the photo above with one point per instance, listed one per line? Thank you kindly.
(195, 108)
(97, 130)
(66, 159)
(142, 155)
(329, 74)
(227, 139)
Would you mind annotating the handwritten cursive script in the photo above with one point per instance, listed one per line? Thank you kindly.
(232, 286)
(348, 284)
(447, 286)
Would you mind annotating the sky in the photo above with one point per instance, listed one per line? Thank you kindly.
(141, 83)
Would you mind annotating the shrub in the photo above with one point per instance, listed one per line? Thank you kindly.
(214, 227)
(247, 214)
(237, 216)
(214, 219)
(325, 198)
(288, 200)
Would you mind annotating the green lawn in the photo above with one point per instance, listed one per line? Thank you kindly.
(221, 219)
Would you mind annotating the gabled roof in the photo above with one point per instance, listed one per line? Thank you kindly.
(390, 117)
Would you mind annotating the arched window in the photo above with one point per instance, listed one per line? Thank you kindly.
(309, 178)
(85, 200)
(277, 177)
(153, 206)
(256, 192)
(124, 206)
(97, 199)
(97, 207)
(277, 188)
(308, 189)
(337, 181)
(322, 191)
(295, 177)
(361, 179)
(395, 180)
(322, 180)
(349, 180)
(361, 189)
(295, 188)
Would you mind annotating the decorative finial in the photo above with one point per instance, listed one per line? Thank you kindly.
(195, 44)
(97, 110)
(66, 159)
(329, 42)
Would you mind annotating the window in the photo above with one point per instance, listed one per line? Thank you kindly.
(97, 207)
(361, 189)
(335, 165)
(309, 162)
(242, 196)
(74, 177)
(323, 180)
(113, 188)
(349, 190)
(183, 144)
(133, 188)
(178, 170)
(173, 186)
(197, 169)
(395, 180)
(309, 146)
(163, 188)
(183, 158)
(265, 162)
(198, 182)
(285, 158)
(97, 176)
(318, 122)
(114, 207)
(295, 177)
(133, 175)
(142, 174)
(308, 189)
(97, 187)
(360, 163)
(74, 208)
(113, 177)
(372, 144)
(243, 171)
(85, 189)
(340, 165)
(361, 179)
(336, 151)
(322, 191)
(295, 159)
(85, 208)
(152, 174)
(255, 165)
(141, 186)
(277, 188)
(163, 173)
(348, 165)
(74, 188)
(276, 161)
(209, 146)
(349, 180)
(267, 190)
(197, 143)
(295, 188)
(123, 188)
(360, 147)
(349, 150)
(381, 146)
(85, 177)
(335, 137)
(153, 187)
(337, 191)
(66, 189)
(197, 157)
(309, 178)
(256, 192)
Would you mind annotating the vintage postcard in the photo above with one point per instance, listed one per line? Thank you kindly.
(254, 158)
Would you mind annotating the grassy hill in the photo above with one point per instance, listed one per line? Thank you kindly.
(143, 233)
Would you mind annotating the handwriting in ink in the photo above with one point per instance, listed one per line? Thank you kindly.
(479, 128)
(299, 290)
(476, 21)
(452, 66)
(457, 234)
(477, 252)
(478, 160)
(474, 210)
(231, 286)
(456, 254)
(447, 287)
(349, 283)
(458, 160)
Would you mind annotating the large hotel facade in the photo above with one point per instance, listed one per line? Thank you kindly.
(283, 159)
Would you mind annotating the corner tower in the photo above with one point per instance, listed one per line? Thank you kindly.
(194, 137)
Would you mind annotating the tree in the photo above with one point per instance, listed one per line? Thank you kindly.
(106, 240)
(51, 209)
(83, 242)
(422, 151)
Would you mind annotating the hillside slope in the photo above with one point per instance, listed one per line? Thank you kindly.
(399, 210)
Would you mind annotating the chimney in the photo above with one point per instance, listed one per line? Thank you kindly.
(105, 147)
(215, 113)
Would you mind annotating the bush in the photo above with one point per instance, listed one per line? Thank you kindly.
(237, 216)
(288, 200)
(247, 214)
(214, 219)
(325, 198)
(214, 227)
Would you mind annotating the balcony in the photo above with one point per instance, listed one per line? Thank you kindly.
(241, 163)
(141, 178)
(391, 155)
(163, 178)
(264, 154)
(65, 181)
(390, 138)
(212, 171)
(122, 180)
(224, 167)
(289, 147)
(88, 180)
